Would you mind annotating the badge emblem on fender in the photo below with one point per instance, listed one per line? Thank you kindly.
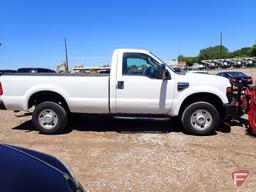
(182, 85)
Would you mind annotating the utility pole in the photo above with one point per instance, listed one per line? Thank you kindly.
(179, 46)
(66, 52)
(221, 46)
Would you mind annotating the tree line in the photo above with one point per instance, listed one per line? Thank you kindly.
(219, 52)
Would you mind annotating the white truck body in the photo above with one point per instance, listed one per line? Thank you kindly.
(98, 94)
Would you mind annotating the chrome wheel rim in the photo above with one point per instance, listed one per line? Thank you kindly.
(201, 120)
(48, 119)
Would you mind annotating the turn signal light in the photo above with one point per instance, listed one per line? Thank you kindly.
(233, 80)
(1, 89)
(229, 90)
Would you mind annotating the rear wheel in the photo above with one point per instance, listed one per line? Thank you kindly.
(200, 118)
(50, 118)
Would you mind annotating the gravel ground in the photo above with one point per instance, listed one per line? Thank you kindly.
(122, 155)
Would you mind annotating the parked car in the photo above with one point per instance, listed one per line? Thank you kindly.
(236, 76)
(201, 72)
(35, 70)
(209, 64)
(26, 170)
(222, 63)
(139, 85)
(196, 66)
(7, 71)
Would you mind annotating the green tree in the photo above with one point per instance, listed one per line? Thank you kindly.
(181, 58)
(213, 52)
(253, 51)
(191, 60)
(243, 52)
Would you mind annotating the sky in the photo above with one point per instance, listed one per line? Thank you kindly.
(32, 31)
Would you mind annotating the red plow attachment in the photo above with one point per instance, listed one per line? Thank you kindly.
(244, 98)
(252, 111)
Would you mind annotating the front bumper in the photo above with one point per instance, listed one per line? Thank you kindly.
(2, 106)
(229, 109)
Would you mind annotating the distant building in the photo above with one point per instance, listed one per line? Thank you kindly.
(93, 70)
(78, 69)
(176, 64)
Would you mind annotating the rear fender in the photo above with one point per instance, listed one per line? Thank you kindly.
(45, 87)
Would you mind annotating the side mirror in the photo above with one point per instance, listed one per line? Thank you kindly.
(161, 72)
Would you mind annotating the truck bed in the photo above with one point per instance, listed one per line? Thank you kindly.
(83, 93)
(55, 74)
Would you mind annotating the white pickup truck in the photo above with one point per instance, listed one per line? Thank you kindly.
(139, 84)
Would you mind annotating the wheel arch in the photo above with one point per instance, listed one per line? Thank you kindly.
(42, 96)
(202, 96)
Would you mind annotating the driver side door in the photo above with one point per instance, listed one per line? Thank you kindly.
(138, 90)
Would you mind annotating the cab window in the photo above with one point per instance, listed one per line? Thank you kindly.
(139, 64)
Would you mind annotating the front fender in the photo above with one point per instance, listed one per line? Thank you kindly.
(183, 94)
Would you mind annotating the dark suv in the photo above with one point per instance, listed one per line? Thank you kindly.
(35, 70)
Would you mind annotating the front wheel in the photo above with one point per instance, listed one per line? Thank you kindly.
(49, 118)
(200, 118)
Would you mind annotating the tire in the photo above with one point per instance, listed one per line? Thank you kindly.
(49, 118)
(200, 118)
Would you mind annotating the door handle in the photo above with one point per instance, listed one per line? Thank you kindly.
(120, 85)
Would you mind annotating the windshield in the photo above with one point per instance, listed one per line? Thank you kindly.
(26, 70)
(158, 58)
(168, 66)
(236, 74)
